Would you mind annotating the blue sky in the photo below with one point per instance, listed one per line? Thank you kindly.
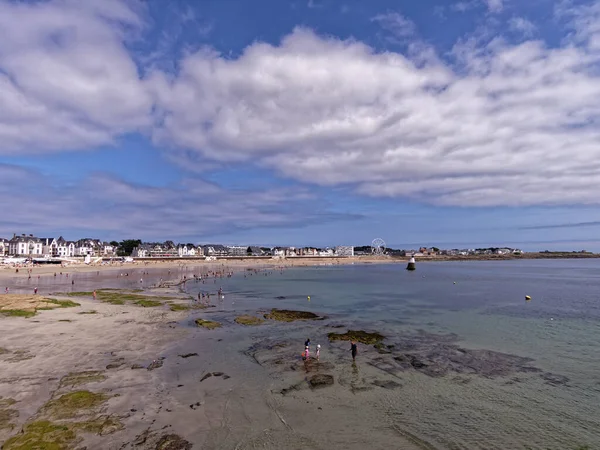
(451, 123)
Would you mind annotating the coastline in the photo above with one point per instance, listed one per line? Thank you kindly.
(161, 380)
(243, 263)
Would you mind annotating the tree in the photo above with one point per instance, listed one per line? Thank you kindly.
(115, 244)
(127, 246)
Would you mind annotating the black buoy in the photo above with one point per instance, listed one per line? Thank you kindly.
(411, 264)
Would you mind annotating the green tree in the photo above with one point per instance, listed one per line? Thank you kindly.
(127, 246)
(115, 244)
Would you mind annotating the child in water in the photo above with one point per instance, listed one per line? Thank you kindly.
(353, 349)
(318, 351)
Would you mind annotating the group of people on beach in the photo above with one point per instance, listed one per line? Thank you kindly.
(306, 352)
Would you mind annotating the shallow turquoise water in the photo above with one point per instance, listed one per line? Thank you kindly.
(483, 303)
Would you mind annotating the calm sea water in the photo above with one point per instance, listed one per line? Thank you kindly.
(484, 304)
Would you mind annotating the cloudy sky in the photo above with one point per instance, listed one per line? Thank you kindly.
(306, 122)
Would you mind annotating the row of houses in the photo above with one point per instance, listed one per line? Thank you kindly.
(32, 246)
(170, 250)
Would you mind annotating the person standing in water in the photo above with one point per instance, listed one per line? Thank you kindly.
(318, 351)
(353, 349)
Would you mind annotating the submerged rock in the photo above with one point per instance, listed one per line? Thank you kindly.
(172, 442)
(208, 324)
(188, 355)
(320, 380)
(248, 320)
(155, 364)
(357, 335)
(286, 315)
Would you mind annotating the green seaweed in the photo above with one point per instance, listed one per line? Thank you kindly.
(285, 315)
(101, 425)
(357, 335)
(7, 413)
(78, 294)
(61, 303)
(17, 313)
(74, 403)
(147, 303)
(179, 307)
(78, 378)
(208, 324)
(248, 320)
(41, 435)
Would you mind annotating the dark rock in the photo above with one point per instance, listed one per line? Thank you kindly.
(357, 335)
(554, 379)
(113, 366)
(208, 375)
(188, 355)
(280, 297)
(172, 442)
(226, 377)
(137, 366)
(320, 380)
(217, 374)
(155, 364)
(285, 315)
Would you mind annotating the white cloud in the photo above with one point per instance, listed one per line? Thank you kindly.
(509, 125)
(518, 128)
(66, 79)
(584, 22)
(495, 6)
(522, 25)
(395, 23)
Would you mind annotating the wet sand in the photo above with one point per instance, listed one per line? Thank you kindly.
(152, 366)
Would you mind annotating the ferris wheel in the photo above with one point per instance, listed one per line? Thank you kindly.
(378, 246)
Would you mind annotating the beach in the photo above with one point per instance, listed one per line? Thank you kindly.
(181, 367)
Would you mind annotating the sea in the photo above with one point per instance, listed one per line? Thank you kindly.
(483, 305)
(467, 361)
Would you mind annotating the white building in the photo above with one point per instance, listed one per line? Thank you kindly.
(343, 250)
(49, 247)
(4, 247)
(186, 250)
(64, 248)
(237, 250)
(25, 246)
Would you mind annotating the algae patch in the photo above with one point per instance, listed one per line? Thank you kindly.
(17, 313)
(286, 315)
(59, 304)
(179, 307)
(208, 324)
(7, 413)
(357, 335)
(41, 434)
(73, 404)
(248, 320)
(147, 303)
(121, 297)
(78, 378)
